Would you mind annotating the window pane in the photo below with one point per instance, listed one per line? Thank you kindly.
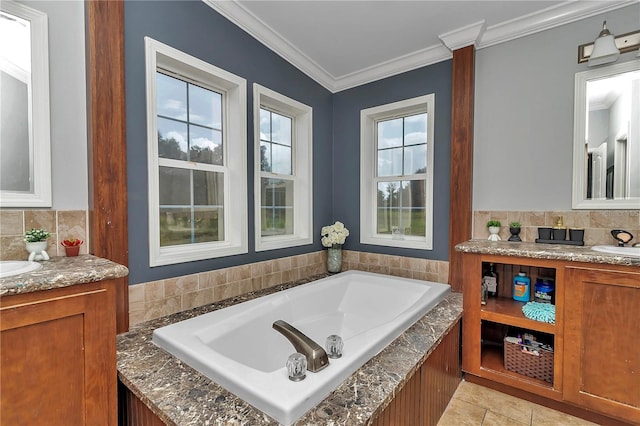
(205, 145)
(171, 97)
(209, 224)
(175, 187)
(415, 159)
(208, 188)
(172, 139)
(281, 159)
(265, 125)
(412, 199)
(205, 107)
(265, 156)
(390, 162)
(276, 207)
(401, 208)
(387, 206)
(415, 129)
(280, 129)
(175, 226)
(390, 133)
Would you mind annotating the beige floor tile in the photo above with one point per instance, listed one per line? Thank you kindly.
(462, 413)
(495, 419)
(543, 416)
(514, 408)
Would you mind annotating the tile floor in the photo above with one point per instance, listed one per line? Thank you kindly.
(474, 405)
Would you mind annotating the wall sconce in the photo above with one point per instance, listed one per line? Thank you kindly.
(606, 48)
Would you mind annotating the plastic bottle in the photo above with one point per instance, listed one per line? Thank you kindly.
(521, 287)
(490, 280)
(544, 291)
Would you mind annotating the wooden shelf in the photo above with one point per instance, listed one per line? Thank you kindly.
(492, 361)
(508, 311)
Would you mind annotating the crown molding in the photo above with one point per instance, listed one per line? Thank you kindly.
(462, 37)
(266, 35)
(548, 18)
(545, 19)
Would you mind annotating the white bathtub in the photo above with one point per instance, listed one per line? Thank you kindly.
(237, 348)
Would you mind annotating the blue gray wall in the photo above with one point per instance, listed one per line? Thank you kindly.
(346, 147)
(199, 31)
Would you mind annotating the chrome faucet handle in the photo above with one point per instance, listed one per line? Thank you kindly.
(622, 236)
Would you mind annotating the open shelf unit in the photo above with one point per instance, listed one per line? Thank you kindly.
(486, 359)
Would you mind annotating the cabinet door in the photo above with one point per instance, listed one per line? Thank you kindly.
(57, 363)
(601, 352)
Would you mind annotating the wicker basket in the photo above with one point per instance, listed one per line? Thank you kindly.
(528, 364)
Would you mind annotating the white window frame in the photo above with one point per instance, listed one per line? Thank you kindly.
(368, 169)
(301, 167)
(234, 107)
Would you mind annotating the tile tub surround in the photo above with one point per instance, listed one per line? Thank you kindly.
(62, 272)
(61, 224)
(179, 395)
(156, 299)
(546, 251)
(597, 224)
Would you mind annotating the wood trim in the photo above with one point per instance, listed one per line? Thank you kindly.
(106, 140)
(461, 176)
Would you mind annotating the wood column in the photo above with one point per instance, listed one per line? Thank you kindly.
(106, 140)
(460, 214)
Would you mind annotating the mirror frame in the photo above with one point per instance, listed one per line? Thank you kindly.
(579, 124)
(40, 119)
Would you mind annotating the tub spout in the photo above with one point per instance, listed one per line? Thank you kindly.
(317, 358)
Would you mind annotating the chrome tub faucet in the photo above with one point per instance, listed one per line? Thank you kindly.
(317, 358)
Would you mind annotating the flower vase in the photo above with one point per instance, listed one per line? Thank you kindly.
(515, 234)
(334, 258)
(37, 250)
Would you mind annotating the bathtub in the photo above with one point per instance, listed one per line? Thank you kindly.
(237, 348)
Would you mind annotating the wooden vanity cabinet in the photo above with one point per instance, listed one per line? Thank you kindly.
(602, 328)
(58, 356)
(596, 360)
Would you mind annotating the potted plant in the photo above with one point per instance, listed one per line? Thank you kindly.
(333, 237)
(36, 243)
(514, 228)
(494, 229)
(72, 246)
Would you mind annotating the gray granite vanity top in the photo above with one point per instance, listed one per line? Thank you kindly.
(62, 272)
(179, 395)
(546, 251)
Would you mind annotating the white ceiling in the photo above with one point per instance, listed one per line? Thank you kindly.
(342, 44)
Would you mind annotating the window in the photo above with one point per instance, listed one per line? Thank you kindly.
(283, 170)
(196, 121)
(396, 174)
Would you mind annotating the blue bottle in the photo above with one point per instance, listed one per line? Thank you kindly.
(521, 287)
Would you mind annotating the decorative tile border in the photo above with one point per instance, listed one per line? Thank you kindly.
(596, 223)
(62, 224)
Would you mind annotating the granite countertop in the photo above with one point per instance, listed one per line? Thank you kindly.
(62, 272)
(179, 395)
(546, 251)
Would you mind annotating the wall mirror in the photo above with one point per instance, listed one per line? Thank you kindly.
(25, 163)
(606, 152)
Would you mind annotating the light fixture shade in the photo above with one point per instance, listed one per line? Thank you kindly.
(604, 48)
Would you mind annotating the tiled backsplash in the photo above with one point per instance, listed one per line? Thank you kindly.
(597, 224)
(159, 298)
(61, 224)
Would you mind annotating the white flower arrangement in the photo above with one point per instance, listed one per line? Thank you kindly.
(334, 234)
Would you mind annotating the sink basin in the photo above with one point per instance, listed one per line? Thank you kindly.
(623, 251)
(14, 267)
